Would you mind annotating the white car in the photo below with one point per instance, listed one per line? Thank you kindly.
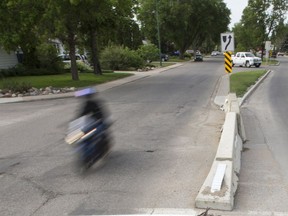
(246, 59)
(79, 58)
(215, 53)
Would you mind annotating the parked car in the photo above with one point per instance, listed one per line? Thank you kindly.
(79, 58)
(164, 57)
(175, 53)
(215, 53)
(280, 54)
(190, 52)
(273, 54)
(246, 59)
(198, 57)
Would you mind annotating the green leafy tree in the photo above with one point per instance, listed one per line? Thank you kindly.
(63, 21)
(149, 52)
(284, 44)
(126, 32)
(279, 36)
(117, 57)
(259, 21)
(186, 23)
(104, 21)
(95, 17)
(19, 28)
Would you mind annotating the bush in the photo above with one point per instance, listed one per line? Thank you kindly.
(15, 86)
(81, 66)
(48, 57)
(120, 58)
(21, 70)
(187, 55)
(13, 71)
(149, 52)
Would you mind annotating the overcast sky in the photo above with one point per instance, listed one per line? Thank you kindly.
(236, 7)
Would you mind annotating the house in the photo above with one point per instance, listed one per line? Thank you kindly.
(7, 60)
(59, 46)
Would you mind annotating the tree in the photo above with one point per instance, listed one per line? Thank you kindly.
(186, 23)
(259, 20)
(19, 28)
(29, 25)
(284, 45)
(243, 41)
(127, 32)
(279, 36)
(148, 52)
(94, 15)
(103, 21)
(65, 24)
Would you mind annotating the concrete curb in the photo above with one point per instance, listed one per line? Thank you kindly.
(253, 88)
(228, 154)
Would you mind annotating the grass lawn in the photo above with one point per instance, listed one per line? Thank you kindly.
(269, 62)
(64, 80)
(240, 82)
(164, 64)
(176, 59)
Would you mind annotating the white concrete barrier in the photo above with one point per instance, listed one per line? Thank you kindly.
(232, 105)
(220, 200)
(229, 153)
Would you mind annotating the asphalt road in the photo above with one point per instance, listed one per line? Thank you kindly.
(264, 174)
(166, 133)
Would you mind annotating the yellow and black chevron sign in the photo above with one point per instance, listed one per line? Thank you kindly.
(228, 62)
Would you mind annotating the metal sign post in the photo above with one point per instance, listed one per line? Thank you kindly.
(267, 50)
(227, 46)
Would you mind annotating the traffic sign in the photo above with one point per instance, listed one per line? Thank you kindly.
(228, 62)
(268, 45)
(227, 42)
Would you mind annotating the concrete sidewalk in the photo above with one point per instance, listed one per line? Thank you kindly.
(100, 87)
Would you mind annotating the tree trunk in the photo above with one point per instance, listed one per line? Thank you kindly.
(181, 53)
(72, 48)
(94, 49)
(30, 59)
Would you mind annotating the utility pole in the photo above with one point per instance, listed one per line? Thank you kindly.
(158, 31)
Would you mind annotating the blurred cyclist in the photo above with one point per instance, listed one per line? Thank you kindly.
(91, 104)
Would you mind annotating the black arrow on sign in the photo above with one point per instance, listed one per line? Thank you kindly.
(230, 38)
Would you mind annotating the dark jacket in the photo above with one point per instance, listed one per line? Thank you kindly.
(93, 107)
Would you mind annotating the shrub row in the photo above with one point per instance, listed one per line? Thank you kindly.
(112, 58)
(15, 86)
(20, 70)
(120, 58)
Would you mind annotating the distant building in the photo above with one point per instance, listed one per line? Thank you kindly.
(7, 60)
(59, 46)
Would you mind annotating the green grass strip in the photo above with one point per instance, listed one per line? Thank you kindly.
(65, 80)
(240, 82)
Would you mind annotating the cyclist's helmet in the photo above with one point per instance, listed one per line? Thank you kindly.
(87, 92)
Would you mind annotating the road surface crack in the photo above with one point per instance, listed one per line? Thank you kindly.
(49, 194)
